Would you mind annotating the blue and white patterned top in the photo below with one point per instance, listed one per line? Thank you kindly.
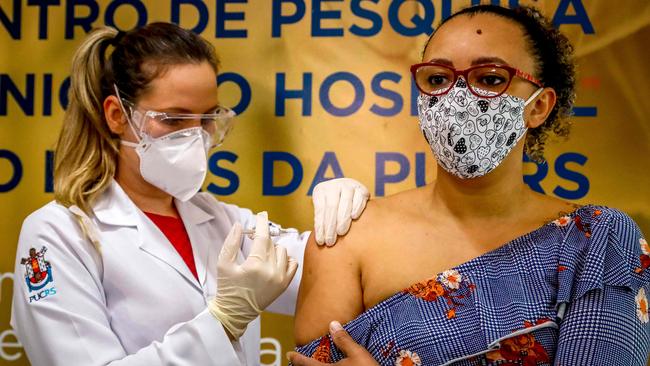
(572, 292)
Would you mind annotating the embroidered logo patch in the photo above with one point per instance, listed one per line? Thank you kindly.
(38, 271)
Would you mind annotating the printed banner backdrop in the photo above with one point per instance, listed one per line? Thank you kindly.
(322, 89)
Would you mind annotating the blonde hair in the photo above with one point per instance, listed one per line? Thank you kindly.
(86, 151)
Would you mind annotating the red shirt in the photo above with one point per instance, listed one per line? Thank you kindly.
(175, 232)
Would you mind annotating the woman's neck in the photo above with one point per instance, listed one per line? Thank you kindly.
(144, 195)
(498, 195)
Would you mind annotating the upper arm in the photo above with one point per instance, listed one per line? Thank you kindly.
(606, 321)
(65, 314)
(602, 327)
(330, 289)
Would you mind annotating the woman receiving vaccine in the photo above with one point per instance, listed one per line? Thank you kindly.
(484, 271)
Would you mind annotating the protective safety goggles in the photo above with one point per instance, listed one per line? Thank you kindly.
(158, 124)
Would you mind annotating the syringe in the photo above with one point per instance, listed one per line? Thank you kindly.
(274, 230)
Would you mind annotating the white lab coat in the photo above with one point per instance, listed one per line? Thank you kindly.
(136, 303)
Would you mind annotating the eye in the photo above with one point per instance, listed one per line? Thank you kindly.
(172, 121)
(437, 80)
(491, 80)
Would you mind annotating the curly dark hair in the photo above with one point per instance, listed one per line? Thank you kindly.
(554, 67)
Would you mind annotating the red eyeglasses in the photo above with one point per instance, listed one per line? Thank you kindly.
(486, 81)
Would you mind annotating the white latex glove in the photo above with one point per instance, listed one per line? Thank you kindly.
(244, 290)
(336, 203)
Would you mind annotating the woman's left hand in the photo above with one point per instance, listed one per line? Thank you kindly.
(355, 354)
(336, 203)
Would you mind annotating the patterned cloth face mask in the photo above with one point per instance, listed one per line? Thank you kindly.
(470, 135)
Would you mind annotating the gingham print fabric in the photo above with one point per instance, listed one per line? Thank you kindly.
(572, 292)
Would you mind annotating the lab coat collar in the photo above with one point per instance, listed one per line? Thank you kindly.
(191, 212)
(114, 207)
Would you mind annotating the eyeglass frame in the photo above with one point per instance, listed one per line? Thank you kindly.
(512, 71)
(229, 114)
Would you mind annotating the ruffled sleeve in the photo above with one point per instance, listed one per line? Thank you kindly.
(601, 247)
(603, 279)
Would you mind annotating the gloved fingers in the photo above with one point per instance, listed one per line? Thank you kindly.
(359, 201)
(292, 266)
(273, 252)
(281, 258)
(343, 219)
(262, 244)
(318, 198)
(332, 198)
(262, 225)
(231, 245)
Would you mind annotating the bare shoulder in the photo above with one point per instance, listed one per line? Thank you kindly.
(329, 290)
(331, 287)
(551, 207)
(382, 215)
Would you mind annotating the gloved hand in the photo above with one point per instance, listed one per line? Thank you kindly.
(244, 290)
(336, 203)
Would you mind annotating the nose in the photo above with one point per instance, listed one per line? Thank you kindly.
(461, 83)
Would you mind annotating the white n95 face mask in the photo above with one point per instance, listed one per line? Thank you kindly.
(176, 163)
(470, 135)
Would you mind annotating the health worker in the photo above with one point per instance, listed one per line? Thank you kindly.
(129, 265)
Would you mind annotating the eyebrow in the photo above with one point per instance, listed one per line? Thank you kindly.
(477, 61)
(442, 61)
(489, 60)
(187, 111)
